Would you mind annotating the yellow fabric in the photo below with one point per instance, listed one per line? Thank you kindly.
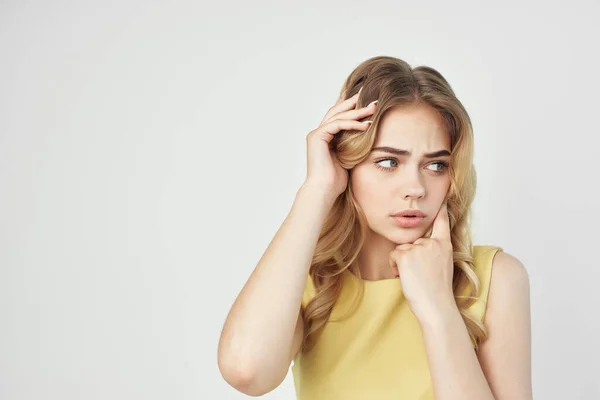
(378, 351)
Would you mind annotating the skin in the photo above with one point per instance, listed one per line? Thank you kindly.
(410, 182)
(422, 257)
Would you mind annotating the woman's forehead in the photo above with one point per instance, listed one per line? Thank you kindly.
(417, 141)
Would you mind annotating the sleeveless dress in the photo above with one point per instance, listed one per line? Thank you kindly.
(378, 351)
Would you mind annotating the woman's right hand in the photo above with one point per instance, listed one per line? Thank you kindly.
(323, 169)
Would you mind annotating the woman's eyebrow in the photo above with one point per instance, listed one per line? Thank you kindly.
(400, 152)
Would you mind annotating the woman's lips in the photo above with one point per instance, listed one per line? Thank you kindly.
(407, 222)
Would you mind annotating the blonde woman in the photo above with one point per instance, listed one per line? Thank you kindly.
(372, 288)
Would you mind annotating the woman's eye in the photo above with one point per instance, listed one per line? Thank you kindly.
(388, 160)
(440, 166)
(392, 163)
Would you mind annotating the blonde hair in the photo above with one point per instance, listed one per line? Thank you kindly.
(395, 83)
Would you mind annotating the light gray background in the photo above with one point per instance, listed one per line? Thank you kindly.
(150, 151)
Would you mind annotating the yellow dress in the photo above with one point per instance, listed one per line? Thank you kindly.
(378, 352)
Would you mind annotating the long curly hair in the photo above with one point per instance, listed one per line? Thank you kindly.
(394, 83)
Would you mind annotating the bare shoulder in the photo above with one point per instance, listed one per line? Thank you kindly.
(509, 288)
(508, 276)
(505, 356)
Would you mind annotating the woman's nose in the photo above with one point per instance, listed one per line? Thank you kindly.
(412, 185)
(414, 192)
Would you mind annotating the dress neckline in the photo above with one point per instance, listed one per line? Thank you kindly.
(373, 282)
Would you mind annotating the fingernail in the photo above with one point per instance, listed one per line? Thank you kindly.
(367, 122)
(361, 88)
(373, 102)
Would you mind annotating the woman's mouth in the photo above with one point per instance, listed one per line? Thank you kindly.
(408, 221)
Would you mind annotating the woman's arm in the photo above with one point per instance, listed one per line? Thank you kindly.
(506, 355)
(256, 341)
(502, 370)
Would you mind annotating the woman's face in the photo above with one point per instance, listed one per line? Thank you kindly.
(386, 183)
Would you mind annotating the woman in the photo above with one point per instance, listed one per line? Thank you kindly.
(372, 287)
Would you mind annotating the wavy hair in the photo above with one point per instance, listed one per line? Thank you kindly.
(394, 83)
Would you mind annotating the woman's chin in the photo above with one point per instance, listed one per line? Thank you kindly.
(399, 235)
(405, 236)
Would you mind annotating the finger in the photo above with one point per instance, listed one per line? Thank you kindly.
(441, 224)
(329, 130)
(342, 96)
(420, 241)
(358, 113)
(349, 102)
(343, 105)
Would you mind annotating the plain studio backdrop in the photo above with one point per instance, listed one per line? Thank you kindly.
(149, 152)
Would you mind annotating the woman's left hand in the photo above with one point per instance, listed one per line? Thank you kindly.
(426, 268)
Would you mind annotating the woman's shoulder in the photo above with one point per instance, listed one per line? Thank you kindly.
(483, 258)
(482, 250)
(493, 258)
(508, 273)
(497, 271)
